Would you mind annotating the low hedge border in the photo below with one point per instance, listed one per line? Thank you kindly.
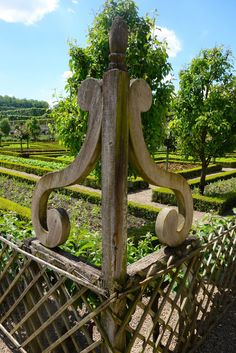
(212, 178)
(25, 168)
(9, 153)
(226, 162)
(196, 172)
(90, 181)
(200, 202)
(9, 205)
(49, 159)
(136, 209)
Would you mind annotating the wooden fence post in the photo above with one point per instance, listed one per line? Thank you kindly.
(114, 176)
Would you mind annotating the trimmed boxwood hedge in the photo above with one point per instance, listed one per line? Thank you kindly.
(9, 205)
(226, 162)
(25, 168)
(196, 172)
(90, 181)
(200, 202)
(136, 209)
(212, 178)
(46, 158)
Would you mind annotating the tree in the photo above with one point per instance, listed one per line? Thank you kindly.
(5, 126)
(33, 127)
(1, 136)
(146, 58)
(22, 133)
(205, 120)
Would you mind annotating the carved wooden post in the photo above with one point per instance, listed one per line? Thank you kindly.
(115, 105)
(114, 173)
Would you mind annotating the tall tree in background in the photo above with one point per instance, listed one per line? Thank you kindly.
(146, 58)
(205, 121)
(22, 133)
(5, 127)
(33, 127)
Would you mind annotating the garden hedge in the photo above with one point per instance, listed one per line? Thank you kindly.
(196, 172)
(9, 205)
(200, 202)
(136, 209)
(90, 181)
(226, 162)
(212, 178)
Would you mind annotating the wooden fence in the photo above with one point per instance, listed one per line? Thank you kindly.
(53, 302)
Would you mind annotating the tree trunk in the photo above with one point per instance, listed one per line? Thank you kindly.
(203, 178)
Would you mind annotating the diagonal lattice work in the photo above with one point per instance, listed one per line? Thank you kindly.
(45, 308)
(178, 300)
(51, 302)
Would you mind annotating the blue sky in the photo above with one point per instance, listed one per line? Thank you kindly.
(34, 37)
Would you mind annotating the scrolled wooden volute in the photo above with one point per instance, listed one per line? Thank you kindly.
(52, 226)
(172, 227)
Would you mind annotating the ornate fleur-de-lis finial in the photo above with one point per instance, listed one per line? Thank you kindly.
(118, 41)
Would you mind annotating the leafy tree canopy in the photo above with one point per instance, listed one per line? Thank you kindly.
(205, 120)
(5, 127)
(33, 127)
(146, 58)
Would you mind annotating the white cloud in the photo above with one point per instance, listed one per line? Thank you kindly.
(67, 74)
(26, 11)
(75, 2)
(71, 10)
(173, 43)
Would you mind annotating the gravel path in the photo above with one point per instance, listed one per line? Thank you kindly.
(222, 339)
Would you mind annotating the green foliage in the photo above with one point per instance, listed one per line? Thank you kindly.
(205, 121)
(146, 58)
(33, 127)
(9, 205)
(221, 188)
(22, 133)
(13, 225)
(210, 224)
(136, 249)
(5, 127)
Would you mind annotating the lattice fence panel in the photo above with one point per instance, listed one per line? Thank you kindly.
(45, 309)
(172, 310)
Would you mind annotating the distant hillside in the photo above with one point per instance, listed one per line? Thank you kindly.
(21, 109)
(7, 102)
